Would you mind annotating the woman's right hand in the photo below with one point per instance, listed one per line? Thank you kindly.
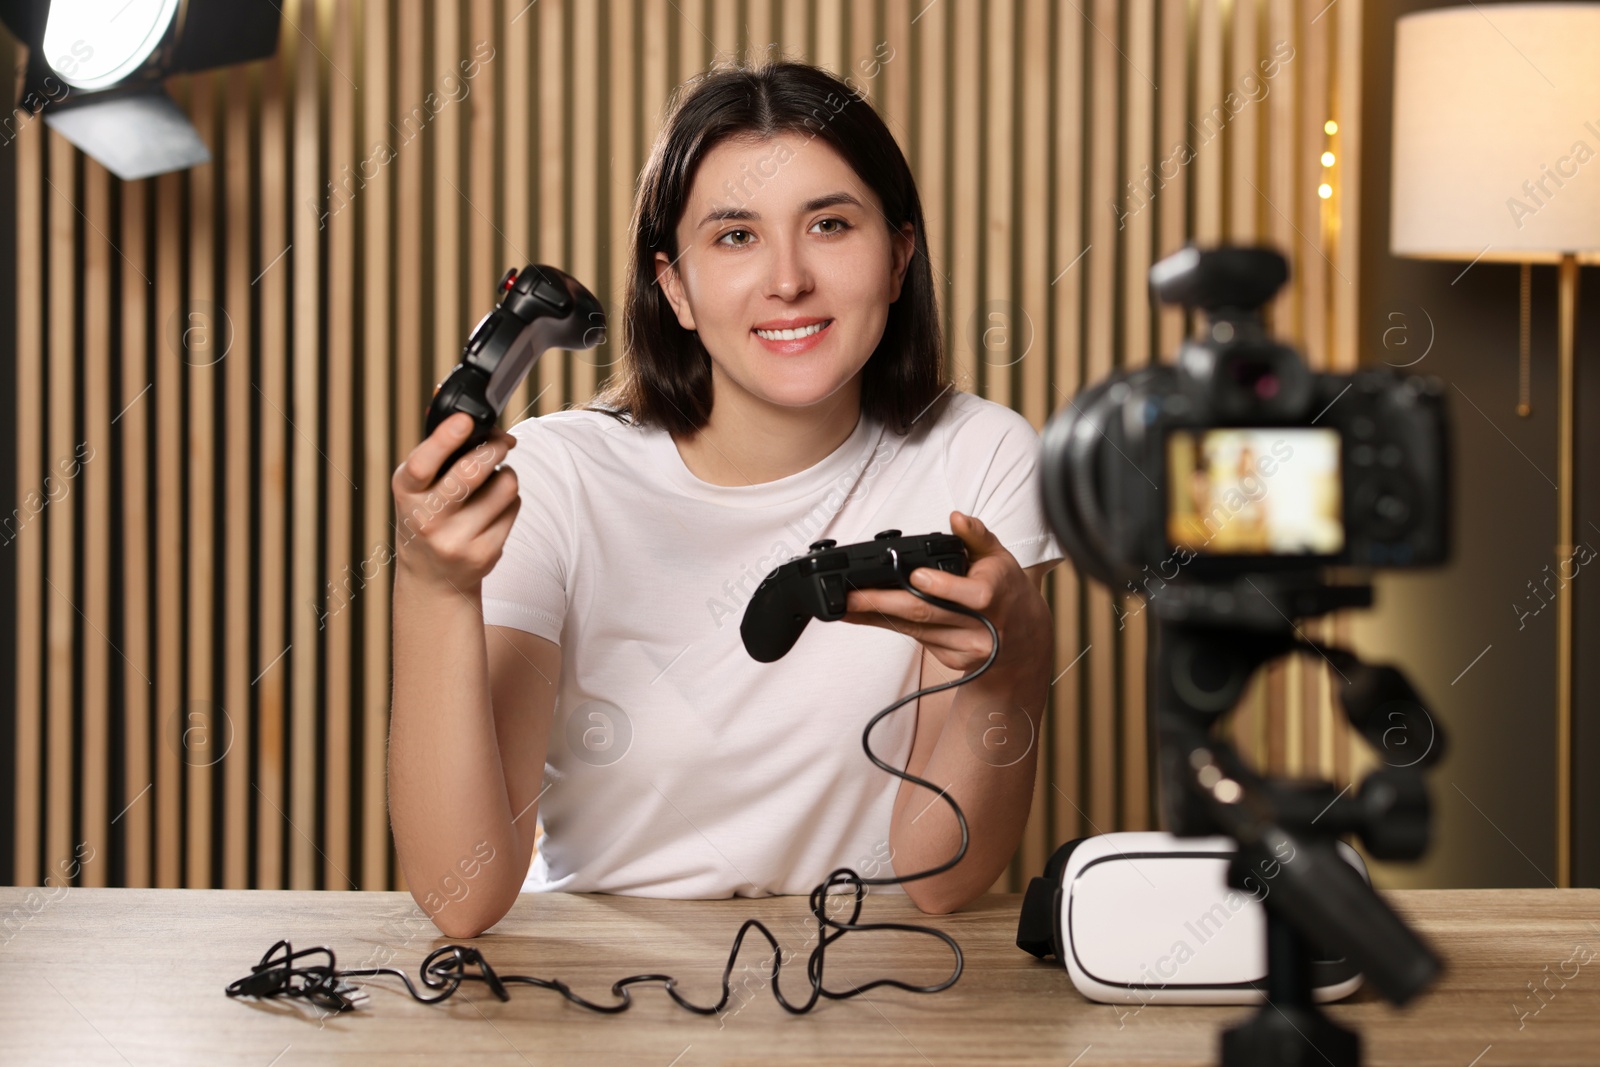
(450, 534)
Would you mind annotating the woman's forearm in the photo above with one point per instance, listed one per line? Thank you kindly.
(453, 828)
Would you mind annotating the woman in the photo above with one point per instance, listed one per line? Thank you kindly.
(780, 384)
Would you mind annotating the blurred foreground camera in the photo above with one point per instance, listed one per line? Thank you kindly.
(1239, 459)
(1221, 489)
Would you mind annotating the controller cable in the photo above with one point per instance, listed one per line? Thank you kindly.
(446, 967)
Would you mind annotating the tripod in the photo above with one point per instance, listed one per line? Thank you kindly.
(1208, 640)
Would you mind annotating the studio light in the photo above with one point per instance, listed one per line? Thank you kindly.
(105, 40)
(96, 67)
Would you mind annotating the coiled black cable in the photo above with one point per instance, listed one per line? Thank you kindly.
(446, 967)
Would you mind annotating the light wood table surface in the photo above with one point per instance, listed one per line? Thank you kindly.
(136, 976)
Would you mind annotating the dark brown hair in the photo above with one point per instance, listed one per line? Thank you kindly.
(663, 378)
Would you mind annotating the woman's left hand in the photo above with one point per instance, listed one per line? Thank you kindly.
(994, 585)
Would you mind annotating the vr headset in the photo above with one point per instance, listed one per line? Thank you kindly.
(1141, 918)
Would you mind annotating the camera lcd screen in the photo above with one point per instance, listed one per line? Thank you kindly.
(1255, 491)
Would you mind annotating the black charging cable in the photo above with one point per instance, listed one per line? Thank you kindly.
(447, 967)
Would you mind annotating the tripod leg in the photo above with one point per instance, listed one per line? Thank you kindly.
(1289, 1030)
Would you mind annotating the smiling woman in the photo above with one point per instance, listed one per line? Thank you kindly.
(748, 166)
(781, 383)
(807, 278)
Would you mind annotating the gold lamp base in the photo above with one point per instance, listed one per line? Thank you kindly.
(1566, 447)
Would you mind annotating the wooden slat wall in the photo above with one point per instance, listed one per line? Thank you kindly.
(378, 305)
(203, 673)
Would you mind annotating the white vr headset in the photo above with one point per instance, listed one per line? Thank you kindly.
(1141, 918)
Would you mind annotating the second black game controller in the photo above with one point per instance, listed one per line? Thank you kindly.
(540, 307)
(814, 586)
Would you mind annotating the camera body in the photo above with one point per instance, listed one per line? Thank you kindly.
(1238, 460)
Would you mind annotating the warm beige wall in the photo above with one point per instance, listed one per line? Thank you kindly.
(1469, 633)
(185, 572)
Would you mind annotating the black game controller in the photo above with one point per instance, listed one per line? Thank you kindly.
(539, 308)
(814, 586)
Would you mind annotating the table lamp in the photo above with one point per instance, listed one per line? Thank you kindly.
(1497, 157)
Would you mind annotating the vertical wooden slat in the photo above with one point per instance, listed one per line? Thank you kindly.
(1034, 298)
(337, 355)
(136, 807)
(829, 53)
(1240, 143)
(269, 673)
(586, 168)
(58, 519)
(694, 47)
(1137, 227)
(996, 139)
(1065, 331)
(1173, 145)
(483, 268)
(724, 30)
(1282, 169)
(1290, 677)
(998, 310)
(623, 168)
(28, 540)
(444, 132)
(95, 444)
(963, 261)
(1241, 140)
(552, 180)
(796, 28)
(197, 329)
(1283, 727)
(305, 435)
(169, 709)
(931, 157)
(513, 43)
(1345, 110)
(1344, 107)
(238, 399)
(1316, 678)
(654, 66)
(893, 50)
(1140, 164)
(413, 373)
(378, 450)
(1317, 281)
(1209, 96)
(1101, 264)
(862, 64)
(759, 35)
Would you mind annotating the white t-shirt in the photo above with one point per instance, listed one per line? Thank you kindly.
(678, 766)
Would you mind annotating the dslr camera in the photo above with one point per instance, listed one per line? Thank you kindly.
(1237, 477)
(1238, 460)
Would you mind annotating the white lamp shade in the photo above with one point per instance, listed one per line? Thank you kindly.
(1497, 132)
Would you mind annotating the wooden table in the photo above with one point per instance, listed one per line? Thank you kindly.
(134, 976)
